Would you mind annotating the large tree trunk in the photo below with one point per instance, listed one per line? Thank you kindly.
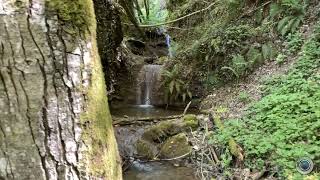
(54, 118)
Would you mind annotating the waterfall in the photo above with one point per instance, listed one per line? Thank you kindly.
(168, 42)
(147, 83)
(162, 30)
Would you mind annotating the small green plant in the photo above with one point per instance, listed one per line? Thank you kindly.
(268, 51)
(281, 58)
(244, 97)
(238, 65)
(175, 87)
(254, 56)
(294, 41)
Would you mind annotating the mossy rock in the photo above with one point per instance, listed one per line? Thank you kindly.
(175, 146)
(191, 121)
(162, 130)
(165, 129)
(146, 149)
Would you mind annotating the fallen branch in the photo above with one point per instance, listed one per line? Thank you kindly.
(129, 121)
(186, 109)
(234, 148)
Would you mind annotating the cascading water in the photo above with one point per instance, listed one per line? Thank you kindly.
(168, 42)
(147, 79)
(162, 30)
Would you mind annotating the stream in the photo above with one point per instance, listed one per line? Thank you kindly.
(148, 96)
(127, 137)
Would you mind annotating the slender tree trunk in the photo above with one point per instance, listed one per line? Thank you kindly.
(47, 82)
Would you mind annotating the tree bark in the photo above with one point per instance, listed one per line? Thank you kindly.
(46, 75)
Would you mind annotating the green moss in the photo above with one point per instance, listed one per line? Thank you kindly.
(77, 15)
(99, 136)
(161, 130)
(191, 120)
(146, 149)
(164, 129)
(102, 157)
(175, 146)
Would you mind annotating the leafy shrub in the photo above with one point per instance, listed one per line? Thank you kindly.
(291, 14)
(268, 52)
(175, 87)
(238, 65)
(284, 125)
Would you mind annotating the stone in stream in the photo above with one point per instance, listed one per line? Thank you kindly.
(175, 146)
(146, 149)
(157, 136)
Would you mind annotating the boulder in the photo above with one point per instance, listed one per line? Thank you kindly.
(166, 137)
(175, 146)
(146, 149)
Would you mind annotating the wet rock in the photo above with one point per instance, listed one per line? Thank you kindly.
(191, 120)
(175, 146)
(146, 149)
(163, 133)
(163, 130)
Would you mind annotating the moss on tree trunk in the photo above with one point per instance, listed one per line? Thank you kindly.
(54, 117)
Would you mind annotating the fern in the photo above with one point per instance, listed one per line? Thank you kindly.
(267, 51)
(174, 87)
(231, 69)
(291, 14)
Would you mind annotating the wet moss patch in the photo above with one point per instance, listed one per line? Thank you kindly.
(76, 15)
(175, 146)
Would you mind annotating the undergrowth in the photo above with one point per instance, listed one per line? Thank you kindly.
(284, 125)
(231, 39)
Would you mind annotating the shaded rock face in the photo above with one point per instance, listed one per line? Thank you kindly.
(45, 76)
(135, 55)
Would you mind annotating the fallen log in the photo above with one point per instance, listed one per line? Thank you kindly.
(233, 147)
(139, 120)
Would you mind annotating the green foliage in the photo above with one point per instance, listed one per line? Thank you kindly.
(238, 65)
(156, 13)
(211, 80)
(175, 87)
(76, 15)
(244, 97)
(230, 7)
(284, 125)
(254, 56)
(268, 52)
(291, 14)
(294, 41)
(281, 58)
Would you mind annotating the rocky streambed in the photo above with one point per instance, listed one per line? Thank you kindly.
(158, 148)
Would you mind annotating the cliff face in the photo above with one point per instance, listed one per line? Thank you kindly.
(54, 117)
